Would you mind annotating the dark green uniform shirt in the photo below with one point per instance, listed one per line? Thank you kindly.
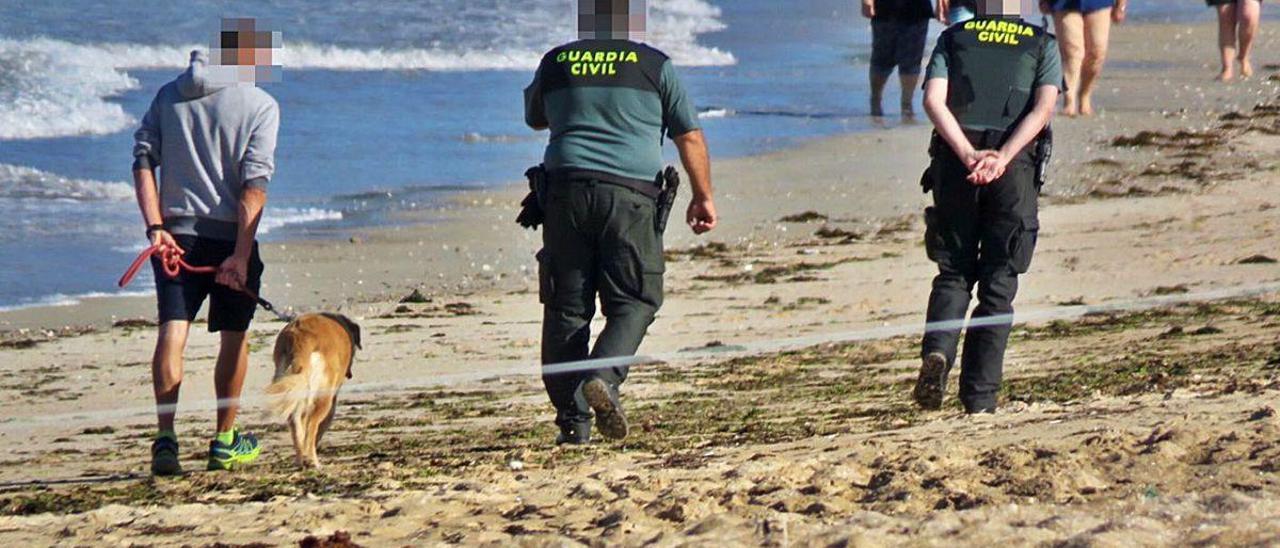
(607, 103)
(993, 67)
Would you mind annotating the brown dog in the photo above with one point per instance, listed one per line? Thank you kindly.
(313, 358)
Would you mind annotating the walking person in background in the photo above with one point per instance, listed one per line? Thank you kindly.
(899, 30)
(951, 12)
(1084, 30)
(990, 91)
(211, 133)
(1238, 22)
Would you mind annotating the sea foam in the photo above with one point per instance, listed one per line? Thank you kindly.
(54, 88)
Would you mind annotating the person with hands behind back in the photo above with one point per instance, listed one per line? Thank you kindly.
(990, 90)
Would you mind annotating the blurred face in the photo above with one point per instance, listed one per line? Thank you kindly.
(245, 53)
(612, 19)
(242, 43)
(1004, 8)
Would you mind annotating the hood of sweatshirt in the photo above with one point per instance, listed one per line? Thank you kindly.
(198, 81)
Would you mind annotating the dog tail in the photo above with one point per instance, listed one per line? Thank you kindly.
(294, 390)
(289, 395)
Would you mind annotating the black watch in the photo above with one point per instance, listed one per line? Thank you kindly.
(153, 228)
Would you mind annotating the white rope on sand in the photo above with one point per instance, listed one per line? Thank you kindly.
(743, 349)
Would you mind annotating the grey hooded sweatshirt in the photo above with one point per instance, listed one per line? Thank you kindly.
(209, 140)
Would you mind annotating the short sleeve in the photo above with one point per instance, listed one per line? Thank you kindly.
(1049, 71)
(678, 112)
(535, 110)
(937, 62)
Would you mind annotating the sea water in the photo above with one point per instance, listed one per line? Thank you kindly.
(386, 105)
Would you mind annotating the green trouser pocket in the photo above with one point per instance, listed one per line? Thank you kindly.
(651, 290)
(546, 278)
(1022, 246)
(640, 262)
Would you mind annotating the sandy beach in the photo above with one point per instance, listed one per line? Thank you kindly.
(1153, 423)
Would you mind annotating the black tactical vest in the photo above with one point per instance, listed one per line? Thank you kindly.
(991, 70)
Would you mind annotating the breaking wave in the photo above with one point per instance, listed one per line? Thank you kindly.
(20, 182)
(55, 88)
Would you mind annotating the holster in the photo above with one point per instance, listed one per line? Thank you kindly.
(533, 207)
(669, 182)
(929, 179)
(1042, 154)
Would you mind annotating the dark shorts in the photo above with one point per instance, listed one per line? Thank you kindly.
(1223, 2)
(180, 298)
(898, 44)
(1083, 6)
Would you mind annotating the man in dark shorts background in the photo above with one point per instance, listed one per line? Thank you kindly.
(899, 30)
(211, 133)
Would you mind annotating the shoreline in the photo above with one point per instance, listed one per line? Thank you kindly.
(453, 258)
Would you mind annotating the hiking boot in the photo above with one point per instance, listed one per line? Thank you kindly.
(242, 450)
(931, 387)
(578, 433)
(164, 457)
(604, 401)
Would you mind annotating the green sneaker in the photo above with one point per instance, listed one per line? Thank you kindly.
(164, 457)
(242, 450)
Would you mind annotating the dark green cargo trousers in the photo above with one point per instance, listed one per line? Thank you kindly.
(599, 239)
(981, 236)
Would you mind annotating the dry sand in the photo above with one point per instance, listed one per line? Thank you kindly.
(1156, 427)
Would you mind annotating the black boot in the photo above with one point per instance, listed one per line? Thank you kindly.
(577, 433)
(931, 386)
(603, 399)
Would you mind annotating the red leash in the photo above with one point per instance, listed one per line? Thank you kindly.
(170, 260)
(173, 265)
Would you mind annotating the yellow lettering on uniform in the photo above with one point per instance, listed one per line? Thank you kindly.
(574, 56)
(613, 56)
(632, 58)
(575, 69)
(969, 25)
(984, 37)
(560, 58)
(613, 69)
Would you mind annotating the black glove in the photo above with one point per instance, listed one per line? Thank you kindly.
(531, 212)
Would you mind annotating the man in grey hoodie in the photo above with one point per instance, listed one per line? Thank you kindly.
(211, 134)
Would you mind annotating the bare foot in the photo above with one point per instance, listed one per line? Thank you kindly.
(1246, 68)
(1069, 109)
(1226, 75)
(1086, 106)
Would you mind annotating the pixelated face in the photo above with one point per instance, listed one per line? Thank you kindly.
(1004, 8)
(612, 19)
(246, 52)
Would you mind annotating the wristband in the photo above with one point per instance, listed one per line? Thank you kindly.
(153, 228)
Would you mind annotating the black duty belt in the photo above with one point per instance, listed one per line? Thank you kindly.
(648, 188)
(983, 139)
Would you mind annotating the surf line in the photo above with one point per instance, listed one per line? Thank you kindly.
(744, 349)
